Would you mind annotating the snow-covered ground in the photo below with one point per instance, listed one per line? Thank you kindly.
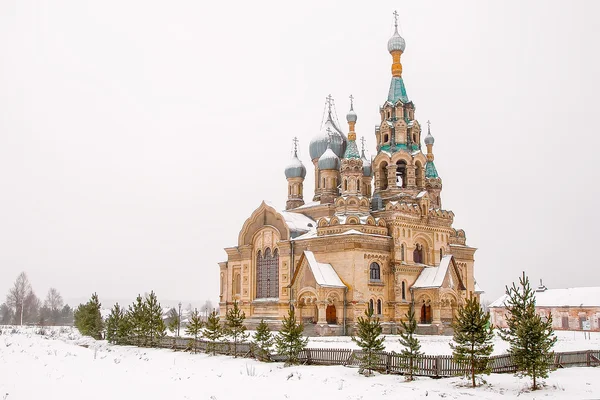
(66, 366)
(440, 345)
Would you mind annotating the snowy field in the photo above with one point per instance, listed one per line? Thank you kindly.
(66, 366)
(440, 345)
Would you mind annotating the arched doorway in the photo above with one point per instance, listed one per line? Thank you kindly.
(330, 315)
(425, 314)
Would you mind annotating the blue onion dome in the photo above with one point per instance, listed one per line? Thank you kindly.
(318, 145)
(429, 139)
(351, 116)
(367, 170)
(396, 42)
(295, 168)
(329, 160)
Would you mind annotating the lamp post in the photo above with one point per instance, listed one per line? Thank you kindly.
(179, 320)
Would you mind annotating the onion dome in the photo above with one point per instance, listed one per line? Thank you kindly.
(367, 170)
(329, 160)
(429, 139)
(318, 145)
(295, 168)
(351, 116)
(396, 42)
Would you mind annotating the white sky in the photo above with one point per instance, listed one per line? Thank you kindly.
(137, 136)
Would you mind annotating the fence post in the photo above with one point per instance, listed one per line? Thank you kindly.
(438, 366)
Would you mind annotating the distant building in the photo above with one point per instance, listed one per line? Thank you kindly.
(356, 245)
(572, 309)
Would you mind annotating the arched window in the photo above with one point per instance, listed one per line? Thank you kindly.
(267, 274)
(402, 252)
(418, 254)
(375, 272)
(378, 307)
(345, 184)
(371, 305)
(441, 254)
(323, 183)
(237, 284)
(401, 173)
(403, 290)
(386, 138)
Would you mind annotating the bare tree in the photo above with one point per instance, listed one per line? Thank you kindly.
(16, 296)
(32, 305)
(54, 300)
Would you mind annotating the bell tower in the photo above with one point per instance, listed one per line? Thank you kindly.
(295, 173)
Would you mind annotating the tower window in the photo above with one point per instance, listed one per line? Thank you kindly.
(371, 305)
(383, 179)
(403, 290)
(441, 254)
(378, 307)
(401, 173)
(402, 252)
(375, 272)
(418, 254)
(386, 138)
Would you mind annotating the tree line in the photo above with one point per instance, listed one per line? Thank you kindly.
(23, 307)
(530, 335)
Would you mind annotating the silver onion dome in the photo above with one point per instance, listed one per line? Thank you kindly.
(429, 139)
(295, 168)
(318, 144)
(329, 160)
(367, 169)
(351, 116)
(396, 42)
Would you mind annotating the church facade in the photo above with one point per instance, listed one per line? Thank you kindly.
(375, 234)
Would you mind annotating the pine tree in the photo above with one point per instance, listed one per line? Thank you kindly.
(213, 331)
(473, 337)
(137, 319)
(155, 323)
(194, 327)
(370, 341)
(411, 344)
(289, 340)
(263, 340)
(88, 319)
(234, 326)
(173, 320)
(531, 338)
(117, 326)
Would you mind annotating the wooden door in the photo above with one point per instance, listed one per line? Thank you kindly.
(330, 315)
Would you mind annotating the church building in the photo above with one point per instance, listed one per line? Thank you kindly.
(375, 234)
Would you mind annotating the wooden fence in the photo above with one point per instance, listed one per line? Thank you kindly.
(387, 362)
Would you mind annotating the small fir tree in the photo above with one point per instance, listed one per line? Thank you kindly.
(117, 326)
(290, 341)
(88, 319)
(263, 340)
(530, 337)
(154, 321)
(411, 344)
(137, 318)
(194, 327)
(213, 331)
(473, 337)
(234, 326)
(368, 338)
(173, 321)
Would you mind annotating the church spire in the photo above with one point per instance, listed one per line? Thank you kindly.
(396, 46)
(430, 170)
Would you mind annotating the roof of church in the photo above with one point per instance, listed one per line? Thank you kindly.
(430, 170)
(324, 274)
(568, 297)
(432, 277)
(298, 223)
(397, 90)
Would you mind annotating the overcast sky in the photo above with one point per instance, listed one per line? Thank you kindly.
(137, 136)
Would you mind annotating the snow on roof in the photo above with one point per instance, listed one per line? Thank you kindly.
(433, 276)
(298, 222)
(569, 297)
(478, 288)
(309, 204)
(421, 194)
(313, 234)
(324, 274)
